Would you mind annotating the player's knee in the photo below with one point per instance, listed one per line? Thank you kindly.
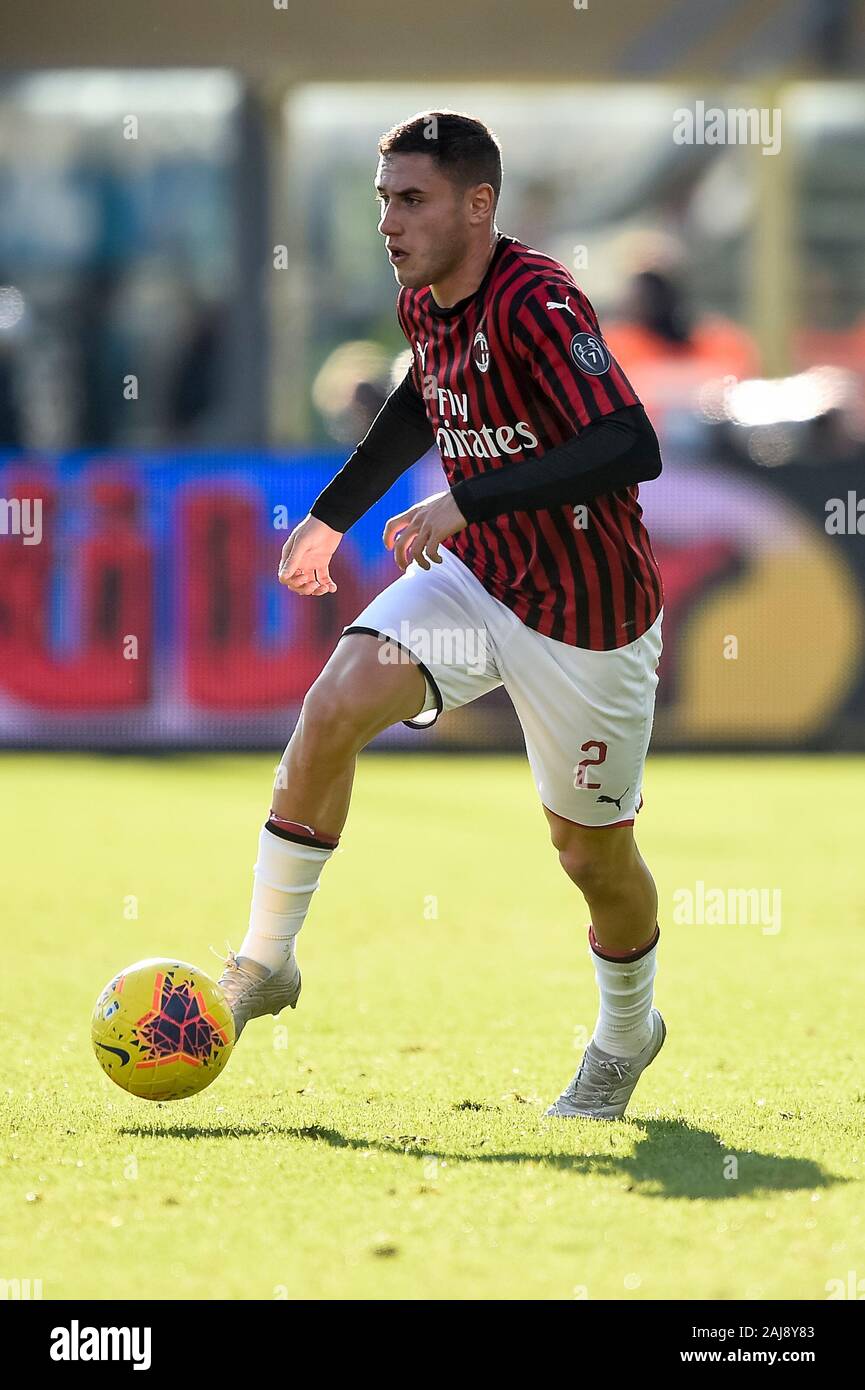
(596, 872)
(332, 719)
(580, 867)
(356, 696)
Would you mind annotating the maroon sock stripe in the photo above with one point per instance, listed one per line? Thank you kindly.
(637, 953)
(301, 834)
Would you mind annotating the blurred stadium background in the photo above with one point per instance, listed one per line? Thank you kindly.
(197, 323)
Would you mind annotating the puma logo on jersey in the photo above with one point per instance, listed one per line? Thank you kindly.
(554, 304)
(421, 352)
(614, 800)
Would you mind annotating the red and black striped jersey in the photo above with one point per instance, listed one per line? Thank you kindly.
(514, 369)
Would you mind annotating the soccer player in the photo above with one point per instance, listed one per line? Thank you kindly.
(532, 569)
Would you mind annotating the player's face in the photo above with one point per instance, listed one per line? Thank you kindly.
(424, 219)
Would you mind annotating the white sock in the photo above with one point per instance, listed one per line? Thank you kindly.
(286, 876)
(624, 1027)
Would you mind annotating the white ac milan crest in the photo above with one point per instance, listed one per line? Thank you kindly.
(481, 351)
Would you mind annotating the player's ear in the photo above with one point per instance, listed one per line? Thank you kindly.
(481, 202)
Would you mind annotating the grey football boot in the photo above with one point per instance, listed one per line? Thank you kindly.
(252, 990)
(603, 1085)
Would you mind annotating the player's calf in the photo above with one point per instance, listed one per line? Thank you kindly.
(623, 939)
(613, 877)
(355, 697)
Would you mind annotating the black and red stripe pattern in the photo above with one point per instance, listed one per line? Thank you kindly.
(506, 374)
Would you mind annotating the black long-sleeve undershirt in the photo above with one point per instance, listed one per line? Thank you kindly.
(399, 435)
(611, 453)
(614, 452)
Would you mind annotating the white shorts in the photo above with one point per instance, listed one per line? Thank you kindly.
(586, 716)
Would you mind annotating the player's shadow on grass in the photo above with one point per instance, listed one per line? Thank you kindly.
(673, 1159)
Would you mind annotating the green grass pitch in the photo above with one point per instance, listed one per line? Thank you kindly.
(386, 1140)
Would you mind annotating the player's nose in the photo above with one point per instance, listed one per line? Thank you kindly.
(388, 224)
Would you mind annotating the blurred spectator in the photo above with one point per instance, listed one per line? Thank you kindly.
(666, 354)
(351, 387)
(193, 393)
(10, 426)
(11, 312)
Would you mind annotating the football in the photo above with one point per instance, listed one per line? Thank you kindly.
(162, 1030)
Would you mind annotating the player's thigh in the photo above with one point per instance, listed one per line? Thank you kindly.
(364, 688)
(587, 720)
(440, 618)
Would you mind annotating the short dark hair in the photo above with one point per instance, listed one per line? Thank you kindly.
(464, 148)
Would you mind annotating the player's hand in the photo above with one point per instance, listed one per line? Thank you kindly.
(305, 564)
(418, 532)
